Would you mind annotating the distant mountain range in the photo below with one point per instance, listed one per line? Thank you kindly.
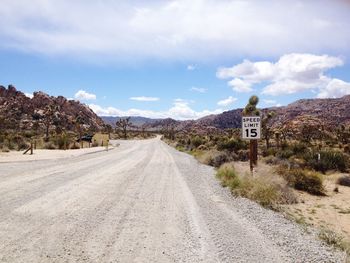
(18, 110)
(136, 121)
(328, 112)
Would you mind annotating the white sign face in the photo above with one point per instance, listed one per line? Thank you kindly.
(251, 127)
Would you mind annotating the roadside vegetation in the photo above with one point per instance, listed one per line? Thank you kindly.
(47, 132)
(305, 159)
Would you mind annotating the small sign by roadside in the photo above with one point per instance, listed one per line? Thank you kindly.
(251, 128)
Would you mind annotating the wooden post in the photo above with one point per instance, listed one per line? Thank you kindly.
(253, 154)
(31, 147)
(251, 161)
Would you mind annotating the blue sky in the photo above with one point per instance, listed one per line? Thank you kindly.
(179, 59)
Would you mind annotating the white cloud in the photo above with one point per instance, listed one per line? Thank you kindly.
(143, 98)
(179, 111)
(292, 73)
(226, 102)
(29, 95)
(191, 67)
(335, 88)
(240, 85)
(174, 29)
(83, 95)
(200, 90)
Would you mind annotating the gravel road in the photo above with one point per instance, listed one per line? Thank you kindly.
(141, 202)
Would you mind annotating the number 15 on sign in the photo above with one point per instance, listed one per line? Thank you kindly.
(251, 128)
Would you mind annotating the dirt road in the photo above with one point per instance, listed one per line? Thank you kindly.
(141, 202)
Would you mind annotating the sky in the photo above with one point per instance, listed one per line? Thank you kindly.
(182, 59)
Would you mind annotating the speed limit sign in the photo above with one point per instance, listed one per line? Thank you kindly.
(251, 128)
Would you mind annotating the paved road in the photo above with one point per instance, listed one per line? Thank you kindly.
(141, 202)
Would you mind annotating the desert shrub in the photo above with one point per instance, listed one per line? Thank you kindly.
(284, 145)
(217, 159)
(267, 191)
(232, 145)
(264, 193)
(214, 158)
(333, 239)
(9, 143)
(62, 141)
(49, 146)
(202, 147)
(303, 180)
(272, 160)
(227, 174)
(29, 134)
(259, 189)
(329, 160)
(298, 148)
(197, 141)
(4, 149)
(285, 153)
(243, 155)
(344, 180)
(74, 146)
(269, 152)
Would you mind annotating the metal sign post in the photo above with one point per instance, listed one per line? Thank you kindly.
(251, 130)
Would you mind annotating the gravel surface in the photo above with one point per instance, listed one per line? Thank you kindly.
(142, 202)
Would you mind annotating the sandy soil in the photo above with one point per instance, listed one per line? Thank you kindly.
(142, 202)
(332, 211)
(18, 156)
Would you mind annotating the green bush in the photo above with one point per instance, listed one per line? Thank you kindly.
(299, 148)
(264, 190)
(303, 180)
(62, 141)
(217, 159)
(9, 143)
(269, 152)
(285, 153)
(197, 141)
(329, 160)
(232, 145)
(227, 174)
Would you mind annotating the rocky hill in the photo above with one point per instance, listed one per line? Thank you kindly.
(17, 111)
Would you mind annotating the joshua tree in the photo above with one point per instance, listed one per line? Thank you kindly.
(343, 134)
(123, 125)
(266, 128)
(108, 129)
(143, 129)
(250, 109)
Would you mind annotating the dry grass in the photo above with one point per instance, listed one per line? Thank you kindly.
(333, 239)
(268, 191)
